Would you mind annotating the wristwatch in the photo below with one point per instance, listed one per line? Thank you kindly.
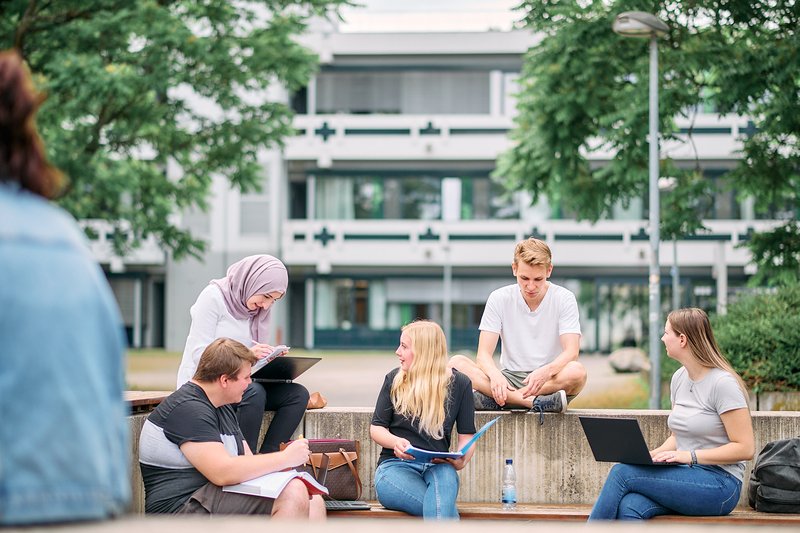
(694, 457)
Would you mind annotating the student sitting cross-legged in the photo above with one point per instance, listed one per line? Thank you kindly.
(191, 446)
(418, 405)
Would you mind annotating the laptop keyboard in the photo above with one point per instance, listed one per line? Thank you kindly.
(346, 505)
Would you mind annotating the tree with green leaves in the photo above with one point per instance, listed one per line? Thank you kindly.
(583, 88)
(123, 80)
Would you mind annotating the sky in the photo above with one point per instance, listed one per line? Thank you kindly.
(430, 15)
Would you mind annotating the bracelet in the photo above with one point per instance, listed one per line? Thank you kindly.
(694, 457)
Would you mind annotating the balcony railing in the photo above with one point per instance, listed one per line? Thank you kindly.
(476, 137)
(324, 244)
(149, 253)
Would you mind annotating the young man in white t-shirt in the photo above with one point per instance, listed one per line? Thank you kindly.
(537, 322)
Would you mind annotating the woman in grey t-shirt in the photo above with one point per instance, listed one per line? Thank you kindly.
(711, 436)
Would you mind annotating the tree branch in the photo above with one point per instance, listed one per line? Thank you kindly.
(24, 25)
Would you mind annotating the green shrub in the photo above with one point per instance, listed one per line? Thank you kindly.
(760, 336)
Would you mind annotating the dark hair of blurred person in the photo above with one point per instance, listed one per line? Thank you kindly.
(64, 448)
(22, 156)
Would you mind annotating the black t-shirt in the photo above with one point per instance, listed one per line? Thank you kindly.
(459, 410)
(186, 415)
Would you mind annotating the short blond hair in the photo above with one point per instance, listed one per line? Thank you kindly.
(533, 252)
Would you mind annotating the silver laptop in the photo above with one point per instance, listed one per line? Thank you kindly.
(617, 440)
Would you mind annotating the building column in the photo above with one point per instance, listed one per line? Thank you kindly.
(721, 274)
(496, 93)
(309, 329)
(137, 313)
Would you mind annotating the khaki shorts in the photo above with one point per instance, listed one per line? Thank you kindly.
(515, 378)
(210, 499)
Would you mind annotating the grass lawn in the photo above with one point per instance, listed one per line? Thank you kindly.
(155, 369)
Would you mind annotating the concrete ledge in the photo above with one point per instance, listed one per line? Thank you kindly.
(194, 524)
(571, 513)
(553, 461)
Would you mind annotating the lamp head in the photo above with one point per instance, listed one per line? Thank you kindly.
(639, 24)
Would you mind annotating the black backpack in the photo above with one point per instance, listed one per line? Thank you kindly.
(775, 480)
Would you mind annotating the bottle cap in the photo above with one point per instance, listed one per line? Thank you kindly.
(509, 461)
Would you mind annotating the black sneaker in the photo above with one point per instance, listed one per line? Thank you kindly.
(550, 403)
(484, 403)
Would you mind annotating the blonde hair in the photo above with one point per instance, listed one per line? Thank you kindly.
(533, 252)
(694, 324)
(420, 393)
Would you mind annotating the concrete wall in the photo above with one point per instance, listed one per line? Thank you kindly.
(554, 463)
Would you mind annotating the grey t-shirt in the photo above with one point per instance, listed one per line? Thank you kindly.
(186, 415)
(696, 409)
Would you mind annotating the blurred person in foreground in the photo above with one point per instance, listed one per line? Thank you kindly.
(64, 448)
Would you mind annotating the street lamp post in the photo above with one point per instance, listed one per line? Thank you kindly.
(640, 24)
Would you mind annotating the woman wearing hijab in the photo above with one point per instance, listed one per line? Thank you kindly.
(239, 306)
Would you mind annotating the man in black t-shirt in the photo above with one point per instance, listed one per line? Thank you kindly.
(191, 446)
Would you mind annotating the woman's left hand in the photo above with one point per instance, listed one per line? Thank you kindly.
(261, 350)
(458, 464)
(674, 456)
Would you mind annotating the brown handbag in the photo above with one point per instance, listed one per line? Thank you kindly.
(340, 475)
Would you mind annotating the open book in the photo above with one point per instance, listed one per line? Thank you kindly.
(426, 456)
(271, 485)
(264, 361)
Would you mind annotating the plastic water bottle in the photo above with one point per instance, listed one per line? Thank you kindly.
(509, 492)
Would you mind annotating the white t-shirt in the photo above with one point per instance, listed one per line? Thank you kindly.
(210, 320)
(696, 406)
(530, 339)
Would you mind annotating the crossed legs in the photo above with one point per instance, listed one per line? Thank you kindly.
(571, 379)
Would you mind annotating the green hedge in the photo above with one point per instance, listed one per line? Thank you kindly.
(760, 336)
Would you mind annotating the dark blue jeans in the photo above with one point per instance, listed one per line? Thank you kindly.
(419, 489)
(633, 492)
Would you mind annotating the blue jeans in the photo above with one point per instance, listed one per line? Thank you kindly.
(634, 492)
(419, 489)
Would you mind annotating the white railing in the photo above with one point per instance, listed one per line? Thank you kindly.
(474, 137)
(324, 244)
(102, 247)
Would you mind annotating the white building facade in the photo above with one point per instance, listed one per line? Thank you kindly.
(383, 209)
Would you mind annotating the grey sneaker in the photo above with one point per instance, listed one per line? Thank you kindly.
(484, 403)
(550, 403)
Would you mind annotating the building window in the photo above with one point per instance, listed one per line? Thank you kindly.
(408, 92)
(406, 197)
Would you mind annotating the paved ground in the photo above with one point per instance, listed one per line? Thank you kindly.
(353, 380)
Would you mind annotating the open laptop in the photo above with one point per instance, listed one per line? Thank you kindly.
(337, 505)
(284, 369)
(617, 440)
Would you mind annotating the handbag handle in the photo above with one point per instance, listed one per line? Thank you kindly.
(353, 470)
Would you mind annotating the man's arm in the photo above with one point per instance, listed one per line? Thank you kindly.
(487, 342)
(213, 461)
(570, 347)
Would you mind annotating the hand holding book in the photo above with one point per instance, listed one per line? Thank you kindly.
(427, 456)
(271, 485)
(277, 351)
